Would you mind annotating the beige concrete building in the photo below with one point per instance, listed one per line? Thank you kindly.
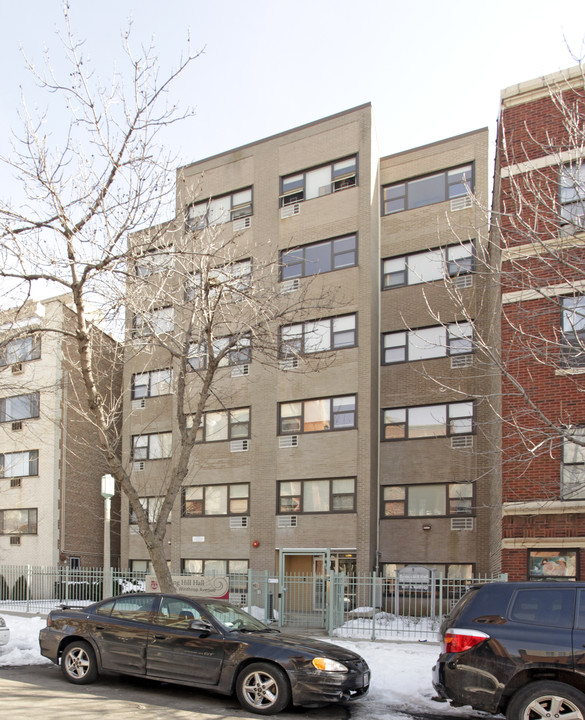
(51, 509)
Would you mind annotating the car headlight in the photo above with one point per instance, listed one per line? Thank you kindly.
(2, 622)
(327, 664)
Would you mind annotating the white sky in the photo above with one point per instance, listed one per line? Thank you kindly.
(431, 68)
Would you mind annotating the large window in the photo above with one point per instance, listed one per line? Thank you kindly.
(152, 383)
(424, 500)
(427, 266)
(224, 425)
(428, 421)
(154, 446)
(20, 350)
(316, 496)
(573, 467)
(154, 322)
(318, 181)
(237, 351)
(572, 194)
(573, 325)
(19, 407)
(557, 564)
(426, 343)
(220, 210)
(153, 261)
(201, 500)
(227, 283)
(427, 190)
(305, 416)
(215, 567)
(318, 335)
(19, 464)
(319, 257)
(151, 506)
(18, 522)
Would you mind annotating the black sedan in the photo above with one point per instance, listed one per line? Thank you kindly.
(201, 642)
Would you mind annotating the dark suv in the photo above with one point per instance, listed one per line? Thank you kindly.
(516, 648)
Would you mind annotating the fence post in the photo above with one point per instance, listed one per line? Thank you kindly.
(373, 603)
(28, 582)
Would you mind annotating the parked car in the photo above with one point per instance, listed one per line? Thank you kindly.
(4, 632)
(516, 648)
(204, 643)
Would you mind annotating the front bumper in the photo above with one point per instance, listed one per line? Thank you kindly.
(319, 687)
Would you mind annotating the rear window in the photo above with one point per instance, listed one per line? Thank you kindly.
(463, 602)
(553, 607)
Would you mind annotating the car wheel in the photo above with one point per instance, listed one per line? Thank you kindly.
(547, 700)
(78, 663)
(263, 688)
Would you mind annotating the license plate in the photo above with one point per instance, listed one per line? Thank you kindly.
(366, 679)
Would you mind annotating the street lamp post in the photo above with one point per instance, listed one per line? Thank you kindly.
(108, 492)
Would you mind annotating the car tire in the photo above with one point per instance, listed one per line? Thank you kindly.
(263, 688)
(546, 699)
(78, 663)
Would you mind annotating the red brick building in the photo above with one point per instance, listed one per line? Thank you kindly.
(538, 223)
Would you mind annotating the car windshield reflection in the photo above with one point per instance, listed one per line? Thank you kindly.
(232, 618)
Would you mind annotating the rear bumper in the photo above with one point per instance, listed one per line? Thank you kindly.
(49, 642)
(464, 684)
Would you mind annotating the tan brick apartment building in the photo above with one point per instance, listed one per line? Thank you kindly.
(348, 465)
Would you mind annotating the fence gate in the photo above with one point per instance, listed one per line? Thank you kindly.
(303, 597)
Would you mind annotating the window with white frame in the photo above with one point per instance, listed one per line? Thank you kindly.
(153, 261)
(237, 350)
(21, 349)
(573, 465)
(321, 415)
(228, 282)
(314, 336)
(215, 211)
(428, 266)
(153, 322)
(446, 419)
(232, 499)
(446, 499)
(19, 521)
(219, 425)
(316, 496)
(573, 328)
(572, 194)
(426, 343)
(19, 407)
(215, 567)
(427, 190)
(19, 464)
(320, 257)
(151, 507)
(319, 181)
(152, 446)
(152, 383)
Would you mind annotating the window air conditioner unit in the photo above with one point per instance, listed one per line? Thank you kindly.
(289, 363)
(288, 286)
(242, 224)
(239, 445)
(15, 482)
(461, 203)
(17, 368)
(286, 521)
(139, 404)
(289, 441)
(138, 466)
(325, 190)
(462, 523)
(458, 361)
(463, 281)
(240, 370)
(289, 210)
(15, 540)
(462, 441)
(238, 522)
(17, 425)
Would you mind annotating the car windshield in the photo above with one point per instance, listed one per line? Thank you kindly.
(233, 618)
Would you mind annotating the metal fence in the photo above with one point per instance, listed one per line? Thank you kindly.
(353, 607)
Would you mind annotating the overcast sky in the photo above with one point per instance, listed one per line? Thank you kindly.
(431, 68)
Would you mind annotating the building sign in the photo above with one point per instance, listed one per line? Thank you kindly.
(552, 564)
(415, 575)
(195, 585)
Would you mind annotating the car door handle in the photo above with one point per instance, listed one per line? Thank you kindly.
(159, 637)
(99, 627)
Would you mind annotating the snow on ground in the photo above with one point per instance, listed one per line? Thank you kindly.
(401, 672)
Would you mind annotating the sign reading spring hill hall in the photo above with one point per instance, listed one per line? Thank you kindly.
(194, 585)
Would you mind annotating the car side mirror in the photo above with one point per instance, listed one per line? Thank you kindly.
(201, 626)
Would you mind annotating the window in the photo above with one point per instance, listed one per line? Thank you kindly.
(152, 383)
(318, 181)
(334, 413)
(453, 571)
(553, 564)
(20, 350)
(151, 506)
(220, 210)
(153, 261)
(427, 266)
(155, 322)
(426, 343)
(216, 500)
(573, 466)
(424, 500)
(427, 190)
(320, 257)
(19, 464)
(18, 522)
(224, 425)
(154, 446)
(136, 609)
(573, 327)
(19, 407)
(572, 194)
(238, 351)
(227, 282)
(318, 335)
(316, 496)
(428, 421)
(215, 567)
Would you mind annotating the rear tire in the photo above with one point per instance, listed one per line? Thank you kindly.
(263, 688)
(545, 698)
(78, 663)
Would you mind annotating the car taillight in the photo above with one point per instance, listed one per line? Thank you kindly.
(457, 640)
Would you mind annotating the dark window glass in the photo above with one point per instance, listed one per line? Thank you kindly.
(553, 607)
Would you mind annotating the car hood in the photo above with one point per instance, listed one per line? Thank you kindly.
(302, 644)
